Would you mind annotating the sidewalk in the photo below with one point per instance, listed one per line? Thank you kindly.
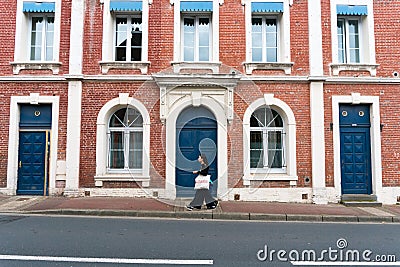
(227, 210)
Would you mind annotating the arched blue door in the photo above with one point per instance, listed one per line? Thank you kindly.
(355, 149)
(196, 132)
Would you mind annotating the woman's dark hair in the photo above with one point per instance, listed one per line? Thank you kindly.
(203, 156)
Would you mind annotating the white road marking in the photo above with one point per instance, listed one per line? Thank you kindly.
(343, 263)
(105, 260)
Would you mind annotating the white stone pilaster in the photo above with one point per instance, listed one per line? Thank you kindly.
(317, 102)
(74, 99)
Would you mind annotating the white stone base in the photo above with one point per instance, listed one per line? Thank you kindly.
(388, 195)
(271, 194)
(6, 191)
(126, 192)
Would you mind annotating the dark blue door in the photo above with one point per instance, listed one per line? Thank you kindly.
(355, 149)
(196, 133)
(32, 163)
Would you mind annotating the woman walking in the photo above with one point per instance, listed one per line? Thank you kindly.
(204, 193)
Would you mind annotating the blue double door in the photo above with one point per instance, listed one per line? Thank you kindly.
(355, 149)
(196, 133)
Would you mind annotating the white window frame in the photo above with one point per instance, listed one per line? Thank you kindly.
(346, 39)
(102, 172)
(264, 38)
(178, 37)
(44, 33)
(367, 39)
(283, 26)
(196, 17)
(285, 174)
(126, 131)
(108, 46)
(265, 149)
(265, 132)
(129, 39)
(23, 37)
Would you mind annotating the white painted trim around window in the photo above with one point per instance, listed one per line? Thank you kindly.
(13, 138)
(23, 31)
(367, 39)
(290, 127)
(101, 141)
(283, 59)
(178, 44)
(109, 38)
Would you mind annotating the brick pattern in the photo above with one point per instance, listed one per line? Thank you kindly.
(232, 53)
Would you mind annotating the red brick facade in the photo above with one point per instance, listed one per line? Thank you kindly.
(293, 89)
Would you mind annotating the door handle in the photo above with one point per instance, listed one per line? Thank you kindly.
(20, 164)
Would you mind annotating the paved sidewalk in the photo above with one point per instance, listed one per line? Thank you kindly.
(228, 210)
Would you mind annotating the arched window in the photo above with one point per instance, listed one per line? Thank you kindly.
(125, 140)
(267, 139)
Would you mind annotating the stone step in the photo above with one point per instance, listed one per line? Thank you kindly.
(362, 204)
(358, 198)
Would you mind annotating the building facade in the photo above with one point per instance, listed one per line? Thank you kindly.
(290, 100)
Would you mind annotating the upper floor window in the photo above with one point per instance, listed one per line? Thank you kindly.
(267, 36)
(125, 35)
(128, 38)
(196, 38)
(37, 36)
(264, 39)
(353, 36)
(125, 139)
(348, 33)
(42, 37)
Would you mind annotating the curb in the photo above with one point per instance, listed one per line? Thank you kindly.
(213, 215)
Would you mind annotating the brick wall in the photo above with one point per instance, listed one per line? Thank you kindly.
(24, 89)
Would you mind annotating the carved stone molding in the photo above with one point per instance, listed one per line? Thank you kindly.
(195, 87)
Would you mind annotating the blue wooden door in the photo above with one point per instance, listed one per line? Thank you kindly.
(355, 149)
(195, 136)
(32, 163)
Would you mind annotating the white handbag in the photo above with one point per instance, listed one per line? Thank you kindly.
(202, 182)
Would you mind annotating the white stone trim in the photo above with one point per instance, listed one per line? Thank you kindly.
(22, 30)
(101, 141)
(222, 137)
(367, 35)
(376, 154)
(282, 195)
(283, 42)
(214, 30)
(315, 38)
(318, 142)
(109, 35)
(13, 138)
(289, 125)
(74, 117)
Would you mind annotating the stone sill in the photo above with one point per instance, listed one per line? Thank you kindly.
(337, 68)
(33, 65)
(251, 66)
(269, 177)
(134, 177)
(143, 66)
(213, 66)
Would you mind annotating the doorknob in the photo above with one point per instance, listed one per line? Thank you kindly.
(20, 164)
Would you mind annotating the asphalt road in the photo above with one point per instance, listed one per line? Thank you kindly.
(68, 241)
